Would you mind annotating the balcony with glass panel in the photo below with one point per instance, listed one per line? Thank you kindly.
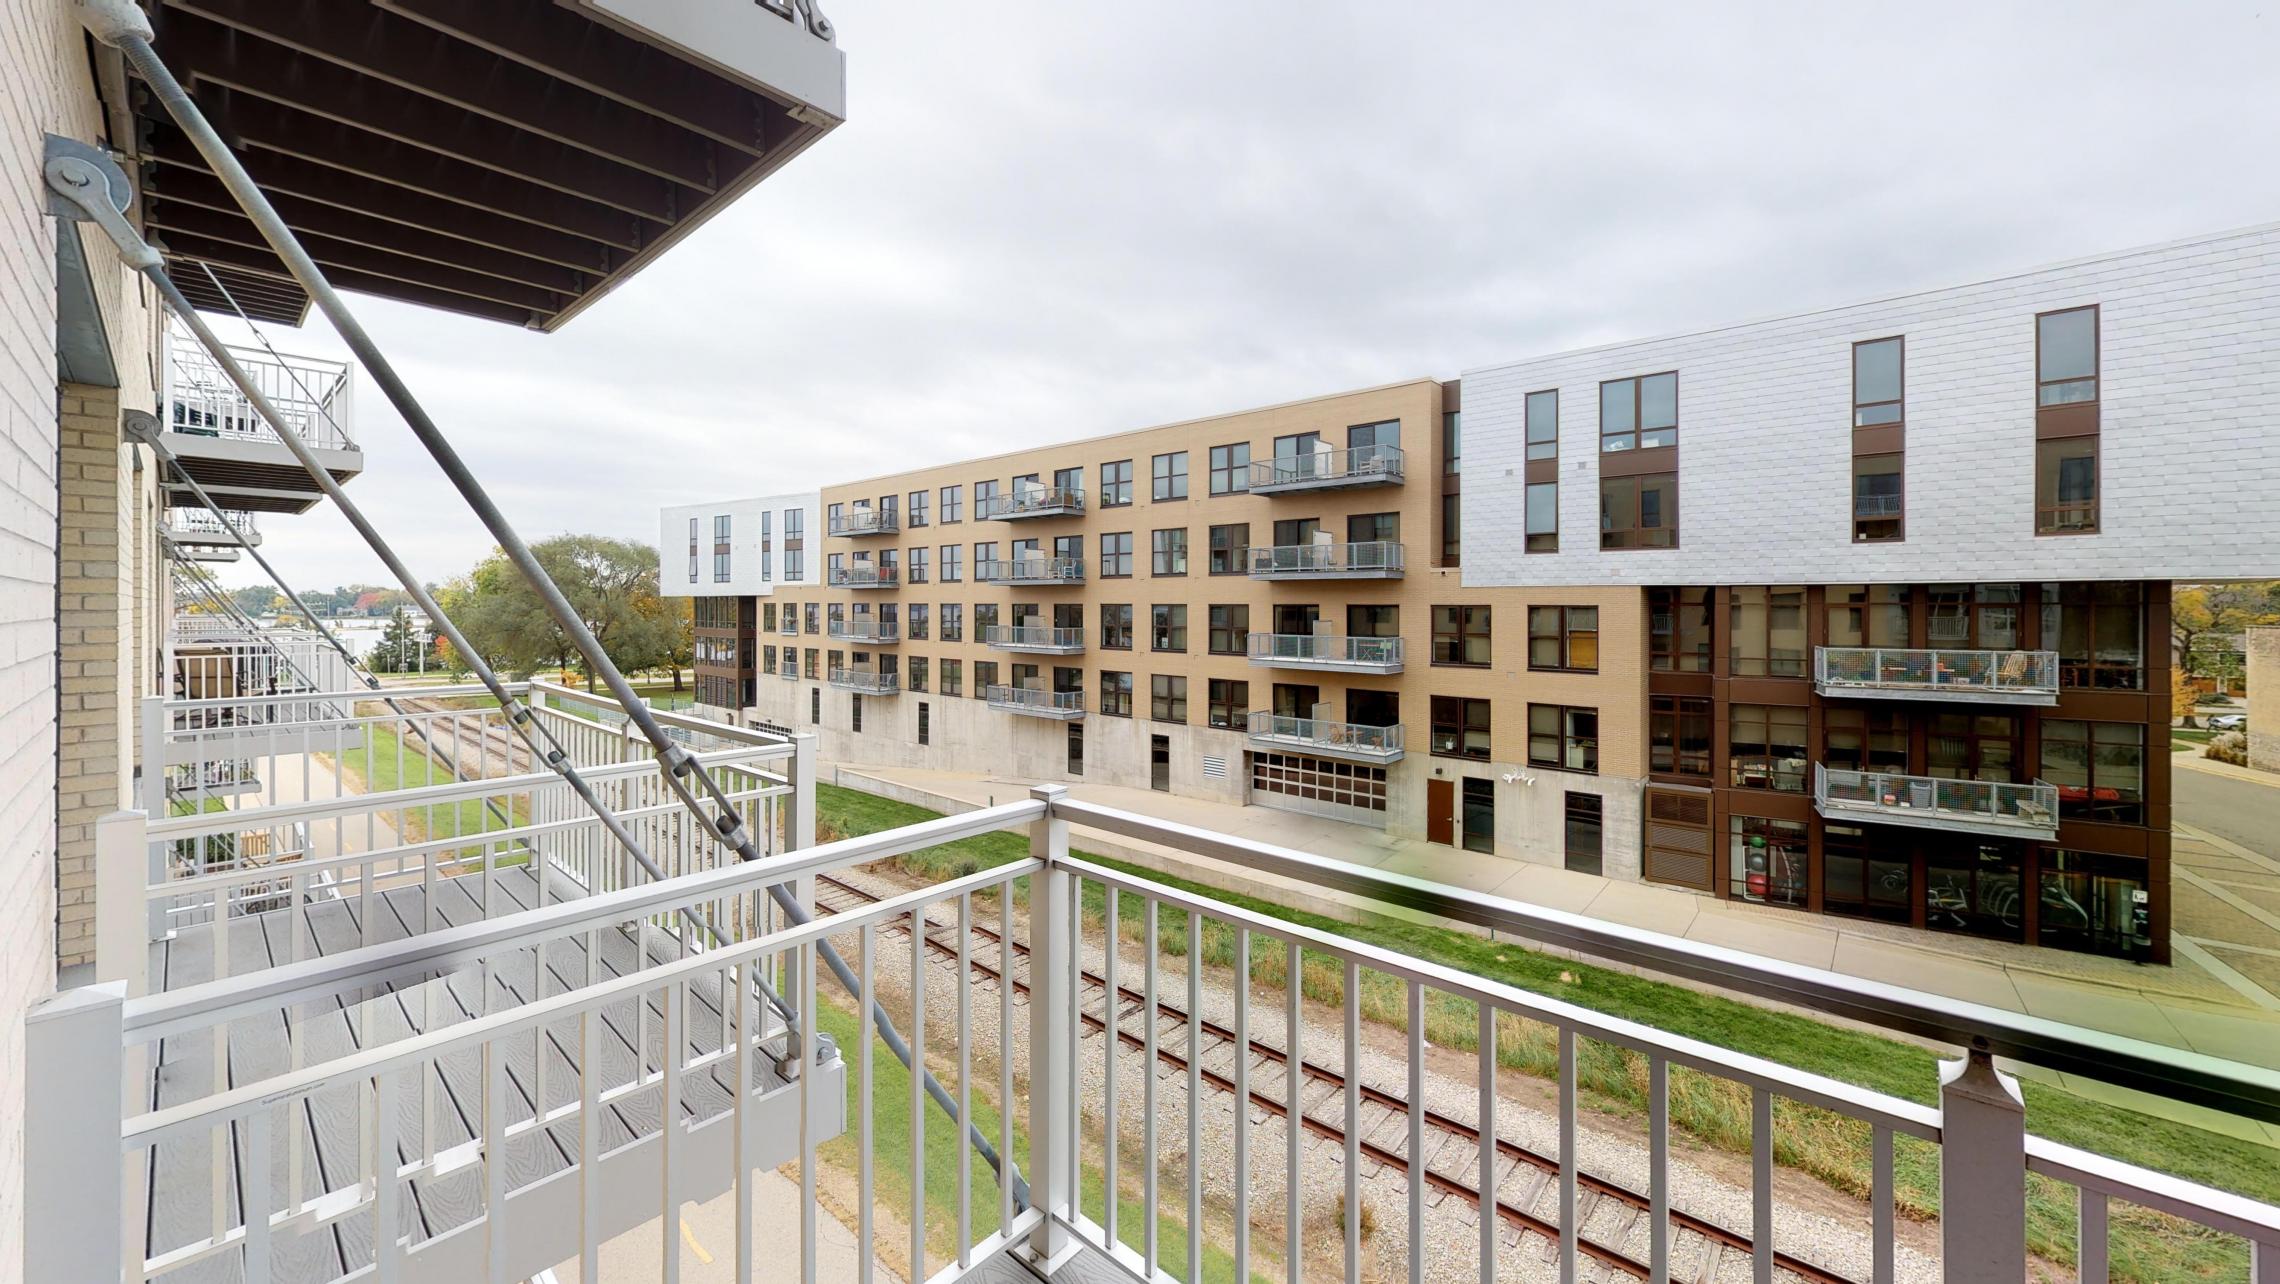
(866, 681)
(1032, 501)
(1352, 741)
(865, 521)
(1035, 639)
(865, 577)
(1330, 651)
(1378, 465)
(1931, 802)
(1373, 560)
(1035, 702)
(1933, 673)
(1030, 570)
(867, 632)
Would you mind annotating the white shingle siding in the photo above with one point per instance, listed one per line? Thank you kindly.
(744, 546)
(2189, 468)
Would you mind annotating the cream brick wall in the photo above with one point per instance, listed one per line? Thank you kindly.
(2263, 648)
(45, 87)
(94, 650)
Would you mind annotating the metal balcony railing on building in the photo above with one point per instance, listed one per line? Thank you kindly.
(866, 631)
(1031, 501)
(1876, 506)
(1030, 570)
(201, 527)
(1035, 639)
(1325, 651)
(1062, 706)
(865, 577)
(1352, 741)
(180, 552)
(865, 521)
(866, 681)
(214, 432)
(1372, 560)
(1327, 470)
(1931, 802)
(789, 673)
(1930, 673)
(791, 624)
(522, 1163)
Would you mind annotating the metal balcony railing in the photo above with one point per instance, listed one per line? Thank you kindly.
(875, 632)
(1322, 736)
(865, 577)
(2009, 677)
(312, 395)
(866, 681)
(1876, 506)
(1034, 638)
(1931, 802)
(1373, 560)
(865, 521)
(789, 673)
(1189, 1048)
(790, 627)
(1326, 651)
(199, 526)
(1325, 469)
(1036, 702)
(1030, 570)
(1036, 501)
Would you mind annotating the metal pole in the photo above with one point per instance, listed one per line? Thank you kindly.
(122, 25)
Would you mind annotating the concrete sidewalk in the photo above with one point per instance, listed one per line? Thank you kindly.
(2182, 1006)
(2191, 760)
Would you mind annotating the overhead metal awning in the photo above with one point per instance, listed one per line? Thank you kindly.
(509, 159)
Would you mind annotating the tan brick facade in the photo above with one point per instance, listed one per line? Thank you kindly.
(94, 650)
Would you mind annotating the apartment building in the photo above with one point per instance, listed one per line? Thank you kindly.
(1906, 567)
(1911, 667)
(738, 552)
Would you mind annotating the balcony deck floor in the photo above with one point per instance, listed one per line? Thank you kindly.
(182, 1175)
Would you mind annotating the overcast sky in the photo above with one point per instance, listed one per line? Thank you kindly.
(1048, 220)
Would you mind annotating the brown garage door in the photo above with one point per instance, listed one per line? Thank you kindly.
(1678, 838)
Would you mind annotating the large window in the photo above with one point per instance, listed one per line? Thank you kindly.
(1461, 635)
(1116, 484)
(918, 625)
(1167, 551)
(952, 676)
(1864, 874)
(1116, 626)
(1638, 512)
(2066, 357)
(1228, 545)
(2098, 631)
(1564, 638)
(1678, 735)
(1116, 554)
(916, 572)
(2099, 768)
(1766, 747)
(693, 550)
(1679, 629)
(1861, 739)
(1167, 698)
(1452, 530)
(1973, 886)
(1230, 701)
(1975, 746)
(952, 572)
(2066, 486)
(1767, 861)
(1543, 517)
(1543, 416)
(952, 505)
(1866, 614)
(2096, 903)
(1460, 728)
(1167, 627)
(1877, 382)
(985, 677)
(1639, 413)
(1231, 468)
(1168, 476)
(917, 515)
(1116, 693)
(1982, 616)
(953, 621)
(1563, 737)
(721, 548)
(1767, 632)
(1877, 499)
(1479, 826)
(1452, 442)
(1230, 626)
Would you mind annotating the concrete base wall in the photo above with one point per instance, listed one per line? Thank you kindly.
(2263, 649)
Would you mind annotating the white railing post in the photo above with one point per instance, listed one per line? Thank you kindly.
(125, 922)
(1052, 1062)
(799, 814)
(75, 1214)
(1983, 1173)
(156, 722)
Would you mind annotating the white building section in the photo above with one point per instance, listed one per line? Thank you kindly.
(2187, 375)
(740, 547)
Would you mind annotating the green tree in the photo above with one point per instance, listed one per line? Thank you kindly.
(2200, 613)
(610, 583)
(399, 648)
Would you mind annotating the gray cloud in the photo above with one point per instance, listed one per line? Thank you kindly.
(1047, 221)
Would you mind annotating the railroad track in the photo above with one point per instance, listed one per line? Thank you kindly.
(1610, 1215)
(482, 742)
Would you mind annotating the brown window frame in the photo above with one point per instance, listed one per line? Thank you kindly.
(1624, 537)
(1236, 551)
(1797, 717)
(1451, 724)
(1564, 739)
(1866, 525)
(1562, 637)
(1227, 703)
(2121, 812)
(1116, 696)
(1167, 695)
(1900, 402)
(1664, 654)
(1459, 634)
(1677, 713)
(1637, 431)
(1237, 631)
(2049, 516)
(1528, 442)
(2097, 377)
(1540, 541)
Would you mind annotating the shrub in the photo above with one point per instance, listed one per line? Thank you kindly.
(2228, 746)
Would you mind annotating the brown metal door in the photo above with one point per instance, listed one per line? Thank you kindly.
(1441, 812)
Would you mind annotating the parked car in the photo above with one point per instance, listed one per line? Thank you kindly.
(2229, 722)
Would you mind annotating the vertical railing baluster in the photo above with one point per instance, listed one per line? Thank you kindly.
(1568, 1157)
(1293, 1117)
(1658, 1170)
(965, 1079)
(1485, 1072)
(255, 1194)
(1242, 1103)
(494, 1117)
(1112, 1017)
(737, 989)
(1195, 1097)
(867, 1135)
(387, 1190)
(808, 1105)
(1761, 1186)
(1006, 1039)
(1353, 1157)
(1417, 1136)
(1073, 1030)
(918, 1269)
(1149, 1154)
(1880, 1203)
(589, 1146)
(669, 1124)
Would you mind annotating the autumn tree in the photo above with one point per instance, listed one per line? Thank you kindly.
(2199, 613)
(2182, 697)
